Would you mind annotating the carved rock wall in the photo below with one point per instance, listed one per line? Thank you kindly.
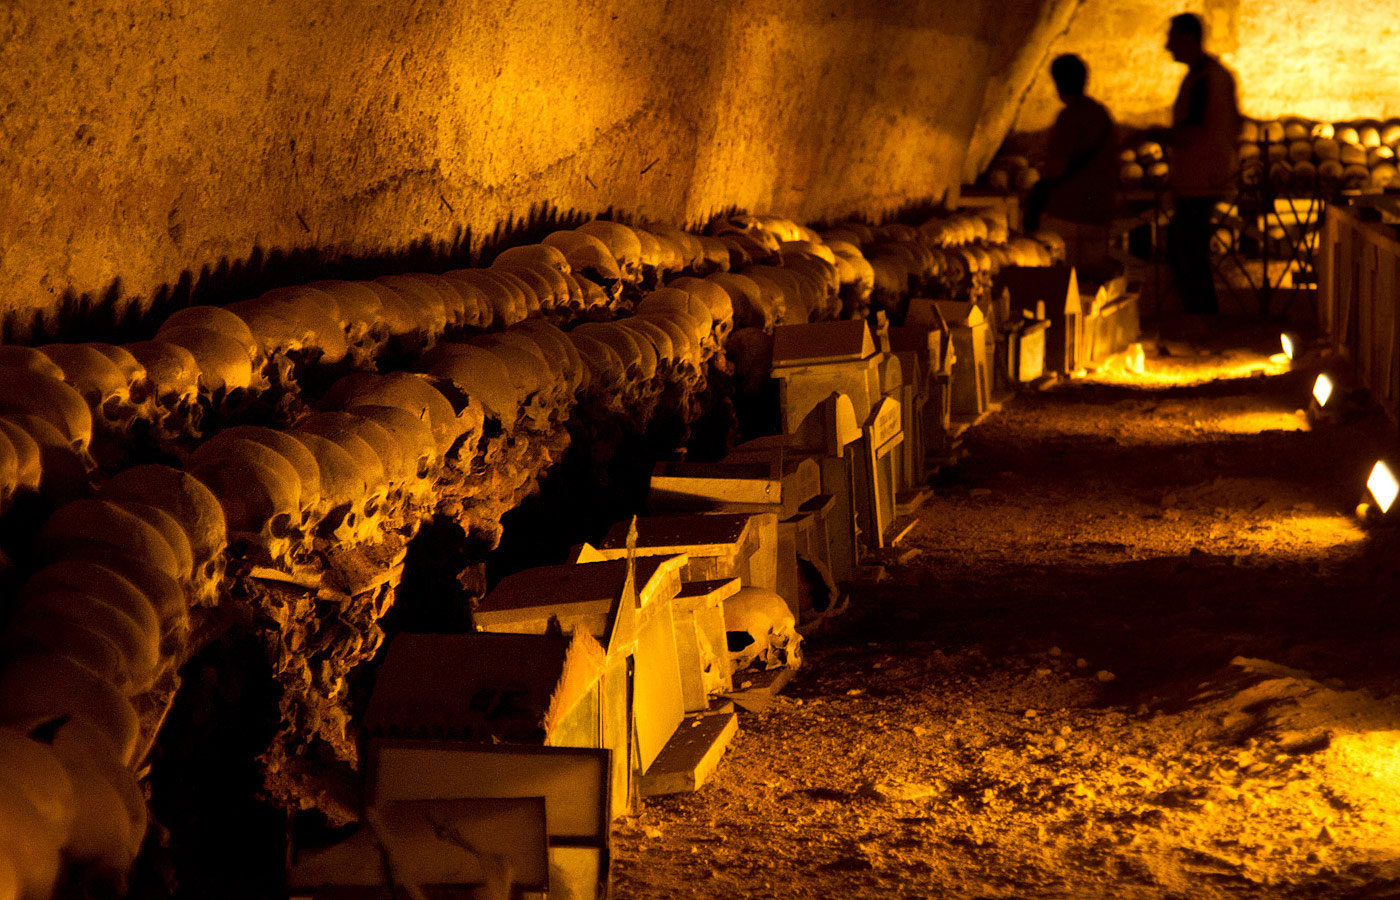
(1323, 59)
(154, 139)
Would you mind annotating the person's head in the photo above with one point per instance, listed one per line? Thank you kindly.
(1070, 74)
(1186, 38)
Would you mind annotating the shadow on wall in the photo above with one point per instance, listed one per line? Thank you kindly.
(110, 315)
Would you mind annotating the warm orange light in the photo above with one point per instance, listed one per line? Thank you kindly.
(1286, 340)
(1383, 486)
(1322, 389)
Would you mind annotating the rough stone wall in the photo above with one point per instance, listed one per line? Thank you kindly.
(1323, 59)
(146, 140)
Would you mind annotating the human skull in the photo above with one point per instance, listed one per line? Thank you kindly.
(638, 357)
(225, 365)
(89, 595)
(530, 376)
(360, 313)
(717, 303)
(378, 454)
(475, 370)
(102, 523)
(587, 256)
(506, 301)
(476, 306)
(607, 376)
(547, 283)
(300, 320)
(522, 289)
(24, 392)
(260, 492)
(111, 820)
(415, 438)
(350, 508)
(416, 394)
(622, 242)
(716, 255)
(753, 308)
(14, 356)
(40, 688)
(762, 631)
(28, 461)
(172, 378)
(197, 511)
(777, 294)
(103, 385)
(64, 471)
(216, 319)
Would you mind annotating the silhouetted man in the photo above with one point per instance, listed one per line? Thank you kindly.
(1205, 128)
(1081, 165)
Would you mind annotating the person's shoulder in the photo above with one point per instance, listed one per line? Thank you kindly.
(1093, 113)
(1216, 68)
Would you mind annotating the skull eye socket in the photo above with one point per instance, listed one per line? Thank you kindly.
(280, 526)
(738, 640)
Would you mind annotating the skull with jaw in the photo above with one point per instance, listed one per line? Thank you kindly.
(762, 630)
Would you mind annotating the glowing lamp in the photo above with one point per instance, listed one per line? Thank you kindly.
(1322, 390)
(1286, 340)
(1383, 486)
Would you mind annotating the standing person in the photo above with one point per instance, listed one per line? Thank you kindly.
(1205, 128)
(1076, 191)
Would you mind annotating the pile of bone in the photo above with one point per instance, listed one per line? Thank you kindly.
(91, 645)
(1011, 173)
(1302, 156)
(945, 256)
(1143, 166)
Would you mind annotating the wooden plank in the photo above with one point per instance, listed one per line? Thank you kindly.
(691, 756)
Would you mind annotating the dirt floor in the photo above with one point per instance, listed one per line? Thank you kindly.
(1143, 650)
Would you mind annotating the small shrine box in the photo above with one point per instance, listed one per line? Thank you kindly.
(450, 713)
(827, 436)
(572, 782)
(972, 372)
(778, 486)
(631, 618)
(1052, 293)
(507, 833)
(812, 360)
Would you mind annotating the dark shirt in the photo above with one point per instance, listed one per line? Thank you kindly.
(1081, 163)
(1205, 127)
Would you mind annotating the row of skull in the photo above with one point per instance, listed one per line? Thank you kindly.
(108, 613)
(99, 626)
